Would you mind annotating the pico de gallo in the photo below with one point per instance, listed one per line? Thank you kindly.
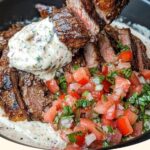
(100, 106)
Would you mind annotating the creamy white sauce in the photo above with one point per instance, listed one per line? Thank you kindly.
(38, 50)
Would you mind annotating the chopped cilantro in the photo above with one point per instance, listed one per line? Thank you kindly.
(76, 67)
(63, 83)
(122, 47)
(56, 95)
(111, 77)
(85, 94)
(110, 129)
(106, 144)
(127, 73)
(101, 78)
(97, 119)
(67, 111)
(93, 71)
(72, 136)
(82, 103)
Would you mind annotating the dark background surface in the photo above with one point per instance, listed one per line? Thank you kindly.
(18, 10)
(13, 10)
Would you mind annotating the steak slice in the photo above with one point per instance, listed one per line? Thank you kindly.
(142, 62)
(85, 11)
(108, 10)
(140, 59)
(10, 96)
(37, 98)
(69, 29)
(45, 10)
(106, 49)
(92, 55)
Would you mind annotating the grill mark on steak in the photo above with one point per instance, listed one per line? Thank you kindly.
(84, 10)
(108, 10)
(92, 55)
(106, 49)
(37, 98)
(139, 52)
(10, 96)
(70, 30)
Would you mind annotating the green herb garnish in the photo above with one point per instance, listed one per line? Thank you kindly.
(93, 71)
(56, 95)
(67, 111)
(122, 47)
(111, 77)
(72, 136)
(76, 67)
(101, 78)
(63, 83)
(127, 73)
(83, 103)
(106, 144)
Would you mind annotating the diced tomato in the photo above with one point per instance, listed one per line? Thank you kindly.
(124, 125)
(134, 79)
(125, 56)
(81, 76)
(131, 116)
(62, 97)
(52, 86)
(80, 139)
(74, 94)
(105, 70)
(107, 86)
(50, 115)
(97, 95)
(137, 129)
(69, 77)
(70, 100)
(105, 121)
(146, 73)
(111, 112)
(122, 86)
(91, 126)
(135, 89)
(73, 147)
(102, 107)
(87, 87)
(114, 97)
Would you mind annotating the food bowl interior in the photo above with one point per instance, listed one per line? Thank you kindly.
(20, 10)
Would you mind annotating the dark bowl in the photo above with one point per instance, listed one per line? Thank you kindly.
(19, 10)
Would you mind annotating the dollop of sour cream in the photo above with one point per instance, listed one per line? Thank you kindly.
(37, 49)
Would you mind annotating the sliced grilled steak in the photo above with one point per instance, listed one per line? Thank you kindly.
(139, 52)
(112, 34)
(45, 10)
(106, 49)
(108, 10)
(85, 11)
(92, 55)
(10, 96)
(70, 30)
(36, 97)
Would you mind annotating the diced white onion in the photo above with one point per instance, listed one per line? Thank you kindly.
(120, 107)
(89, 96)
(99, 87)
(90, 138)
(96, 80)
(142, 80)
(66, 122)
